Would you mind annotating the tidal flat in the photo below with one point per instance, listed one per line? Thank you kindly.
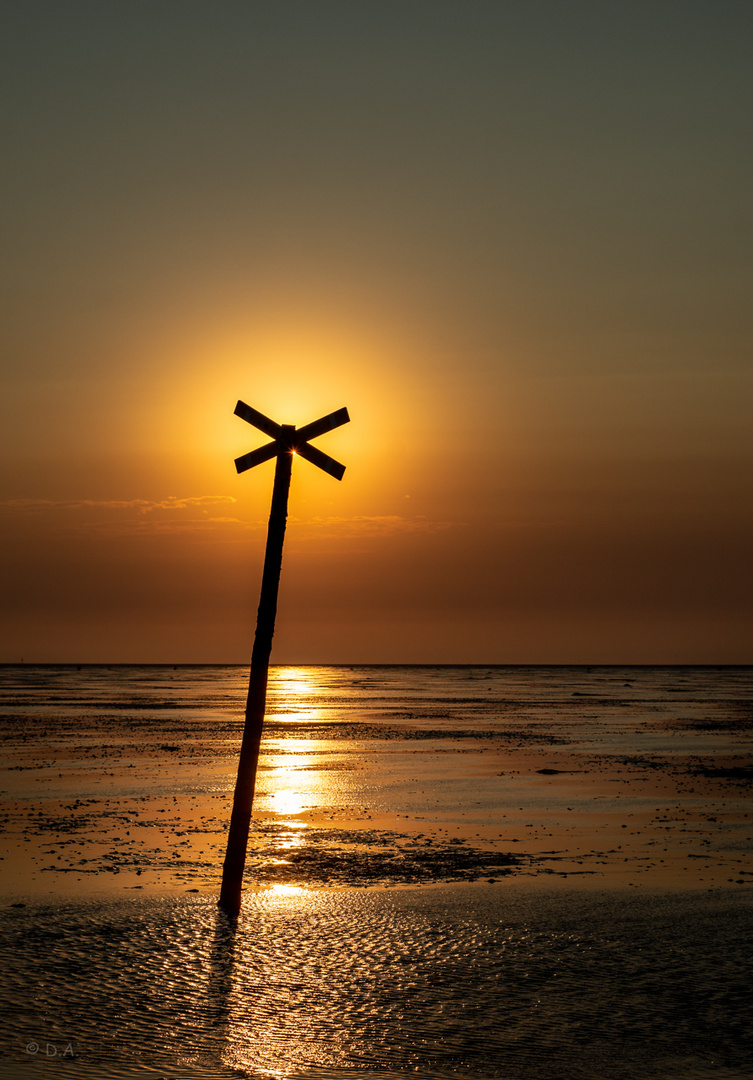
(519, 872)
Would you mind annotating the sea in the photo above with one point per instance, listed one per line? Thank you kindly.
(385, 933)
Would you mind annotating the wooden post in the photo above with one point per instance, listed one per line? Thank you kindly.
(240, 819)
(287, 442)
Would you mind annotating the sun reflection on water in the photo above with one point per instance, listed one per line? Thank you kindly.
(287, 802)
(286, 890)
(299, 775)
(291, 842)
(293, 692)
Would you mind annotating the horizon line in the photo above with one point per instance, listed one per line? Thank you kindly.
(376, 664)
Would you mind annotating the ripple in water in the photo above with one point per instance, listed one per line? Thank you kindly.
(428, 983)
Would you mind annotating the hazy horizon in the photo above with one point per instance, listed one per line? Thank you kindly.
(335, 664)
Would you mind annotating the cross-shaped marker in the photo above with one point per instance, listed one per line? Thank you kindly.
(287, 441)
(287, 437)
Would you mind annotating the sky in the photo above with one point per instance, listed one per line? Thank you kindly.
(512, 237)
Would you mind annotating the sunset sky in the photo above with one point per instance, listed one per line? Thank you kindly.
(513, 237)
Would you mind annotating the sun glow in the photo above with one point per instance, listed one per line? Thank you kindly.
(293, 367)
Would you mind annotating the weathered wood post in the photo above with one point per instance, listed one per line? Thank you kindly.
(287, 442)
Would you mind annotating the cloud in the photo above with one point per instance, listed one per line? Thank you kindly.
(144, 506)
(193, 514)
(373, 525)
(123, 517)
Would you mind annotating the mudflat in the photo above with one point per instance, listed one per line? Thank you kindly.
(121, 787)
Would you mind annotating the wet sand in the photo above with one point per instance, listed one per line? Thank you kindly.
(560, 814)
(450, 873)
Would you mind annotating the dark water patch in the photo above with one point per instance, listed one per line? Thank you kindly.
(644, 762)
(712, 724)
(740, 773)
(557, 772)
(388, 732)
(369, 857)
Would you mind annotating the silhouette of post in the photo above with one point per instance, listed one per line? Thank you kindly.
(287, 441)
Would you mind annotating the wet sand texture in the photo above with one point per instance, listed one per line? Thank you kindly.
(122, 780)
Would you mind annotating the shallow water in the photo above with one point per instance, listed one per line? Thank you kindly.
(380, 776)
(603, 711)
(464, 981)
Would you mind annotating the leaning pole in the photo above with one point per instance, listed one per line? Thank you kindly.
(287, 441)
